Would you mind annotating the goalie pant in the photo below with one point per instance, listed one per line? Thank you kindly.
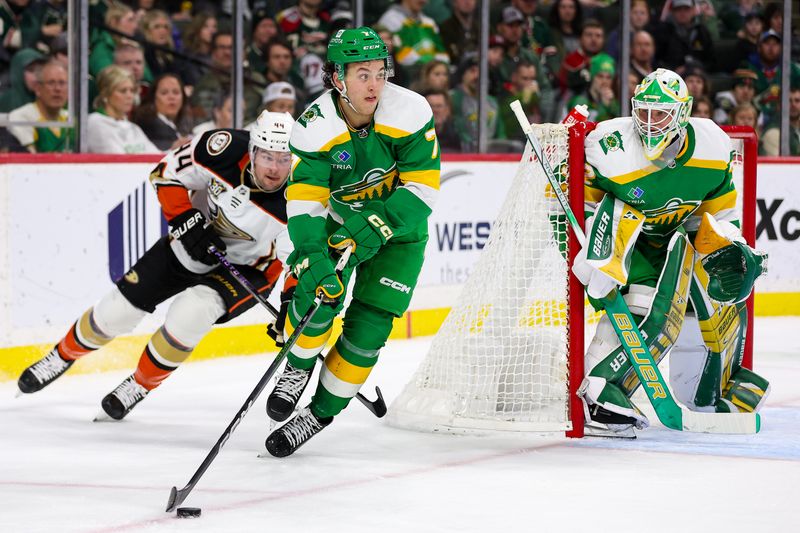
(706, 344)
(202, 300)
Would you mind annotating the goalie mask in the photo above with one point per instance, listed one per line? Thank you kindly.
(269, 150)
(661, 106)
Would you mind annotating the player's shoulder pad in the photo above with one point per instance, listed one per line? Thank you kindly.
(710, 142)
(319, 127)
(401, 112)
(614, 148)
(221, 150)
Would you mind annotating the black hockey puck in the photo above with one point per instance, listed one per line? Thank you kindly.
(188, 512)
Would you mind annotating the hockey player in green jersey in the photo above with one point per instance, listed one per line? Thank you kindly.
(365, 175)
(662, 227)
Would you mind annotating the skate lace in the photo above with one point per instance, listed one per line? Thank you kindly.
(302, 428)
(129, 392)
(291, 383)
(49, 367)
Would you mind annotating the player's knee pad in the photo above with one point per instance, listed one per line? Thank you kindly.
(192, 314)
(745, 392)
(115, 315)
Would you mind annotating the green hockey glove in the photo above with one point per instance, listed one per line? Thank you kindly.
(366, 232)
(732, 272)
(317, 272)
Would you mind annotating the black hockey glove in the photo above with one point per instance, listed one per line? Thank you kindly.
(189, 228)
(276, 330)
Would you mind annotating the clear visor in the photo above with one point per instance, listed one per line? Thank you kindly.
(270, 158)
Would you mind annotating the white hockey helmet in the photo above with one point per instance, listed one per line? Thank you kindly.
(661, 106)
(271, 132)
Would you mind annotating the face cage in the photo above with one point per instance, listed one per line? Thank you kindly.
(651, 133)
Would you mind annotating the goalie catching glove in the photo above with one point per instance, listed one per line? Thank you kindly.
(732, 266)
(316, 272)
(366, 232)
(189, 228)
(603, 263)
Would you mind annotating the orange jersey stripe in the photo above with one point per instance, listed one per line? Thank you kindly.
(174, 200)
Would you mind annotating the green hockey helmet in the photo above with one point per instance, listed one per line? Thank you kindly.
(661, 107)
(355, 45)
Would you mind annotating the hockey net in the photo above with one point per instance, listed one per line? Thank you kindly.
(509, 356)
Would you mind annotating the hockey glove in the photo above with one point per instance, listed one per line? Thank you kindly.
(189, 228)
(275, 330)
(317, 272)
(732, 272)
(366, 232)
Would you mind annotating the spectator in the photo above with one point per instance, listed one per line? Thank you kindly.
(156, 27)
(222, 113)
(465, 108)
(280, 97)
(416, 35)
(400, 74)
(129, 55)
(164, 115)
(640, 21)
(510, 29)
(745, 115)
(264, 30)
(197, 36)
(574, 75)
(525, 88)
(497, 52)
(702, 107)
(279, 65)
(446, 134)
(566, 21)
(461, 31)
(48, 22)
(434, 75)
(341, 18)
(122, 19)
(599, 97)
(306, 27)
(746, 43)
(536, 34)
(681, 40)
(696, 81)
(771, 138)
(733, 16)
(218, 80)
(643, 54)
(744, 91)
(50, 91)
(21, 26)
(108, 130)
(22, 84)
(773, 17)
(767, 66)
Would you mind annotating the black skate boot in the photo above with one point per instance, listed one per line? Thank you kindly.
(607, 423)
(284, 397)
(287, 438)
(43, 372)
(121, 400)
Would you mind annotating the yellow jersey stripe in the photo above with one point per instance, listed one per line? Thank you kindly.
(714, 164)
(622, 179)
(591, 194)
(715, 205)
(339, 139)
(303, 191)
(425, 177)
(390, 131)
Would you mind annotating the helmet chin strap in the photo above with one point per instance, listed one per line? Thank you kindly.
(343, 93)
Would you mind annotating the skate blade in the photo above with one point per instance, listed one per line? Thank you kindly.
(590, 430)
(103, 417)
(19, 393)
(264, 454)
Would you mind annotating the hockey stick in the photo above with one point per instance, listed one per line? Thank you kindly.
(377, 407)
(668, 411)
(176, 497)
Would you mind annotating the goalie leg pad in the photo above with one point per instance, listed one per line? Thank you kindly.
(349, 363)
(745, 392)
(689, 361)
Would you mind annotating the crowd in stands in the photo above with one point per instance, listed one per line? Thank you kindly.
(160, 71)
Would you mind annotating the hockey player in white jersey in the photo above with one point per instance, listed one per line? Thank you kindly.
(662, 227)
(225, 188)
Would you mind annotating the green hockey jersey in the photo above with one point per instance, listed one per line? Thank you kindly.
(699, 182)
(338, 171)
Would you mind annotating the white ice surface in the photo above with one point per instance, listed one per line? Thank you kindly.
(60, 472)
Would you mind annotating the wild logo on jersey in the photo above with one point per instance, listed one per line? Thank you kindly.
(376, 183)
(612, 142)
(310, 115)
(662, 220)
(226, 228)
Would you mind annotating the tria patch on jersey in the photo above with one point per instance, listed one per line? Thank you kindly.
(635, 195)
(310, 115)
(612, 142)
(217, 143)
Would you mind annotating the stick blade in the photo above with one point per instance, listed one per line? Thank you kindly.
(722, 423)
(379, 404)
(174, 499)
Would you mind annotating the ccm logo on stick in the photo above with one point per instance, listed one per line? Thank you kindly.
(396, 285)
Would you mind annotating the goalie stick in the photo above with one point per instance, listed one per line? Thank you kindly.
(376, 407)
(668, 411)
(176, 497)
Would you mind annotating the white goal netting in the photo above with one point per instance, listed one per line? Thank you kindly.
(500, 360)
